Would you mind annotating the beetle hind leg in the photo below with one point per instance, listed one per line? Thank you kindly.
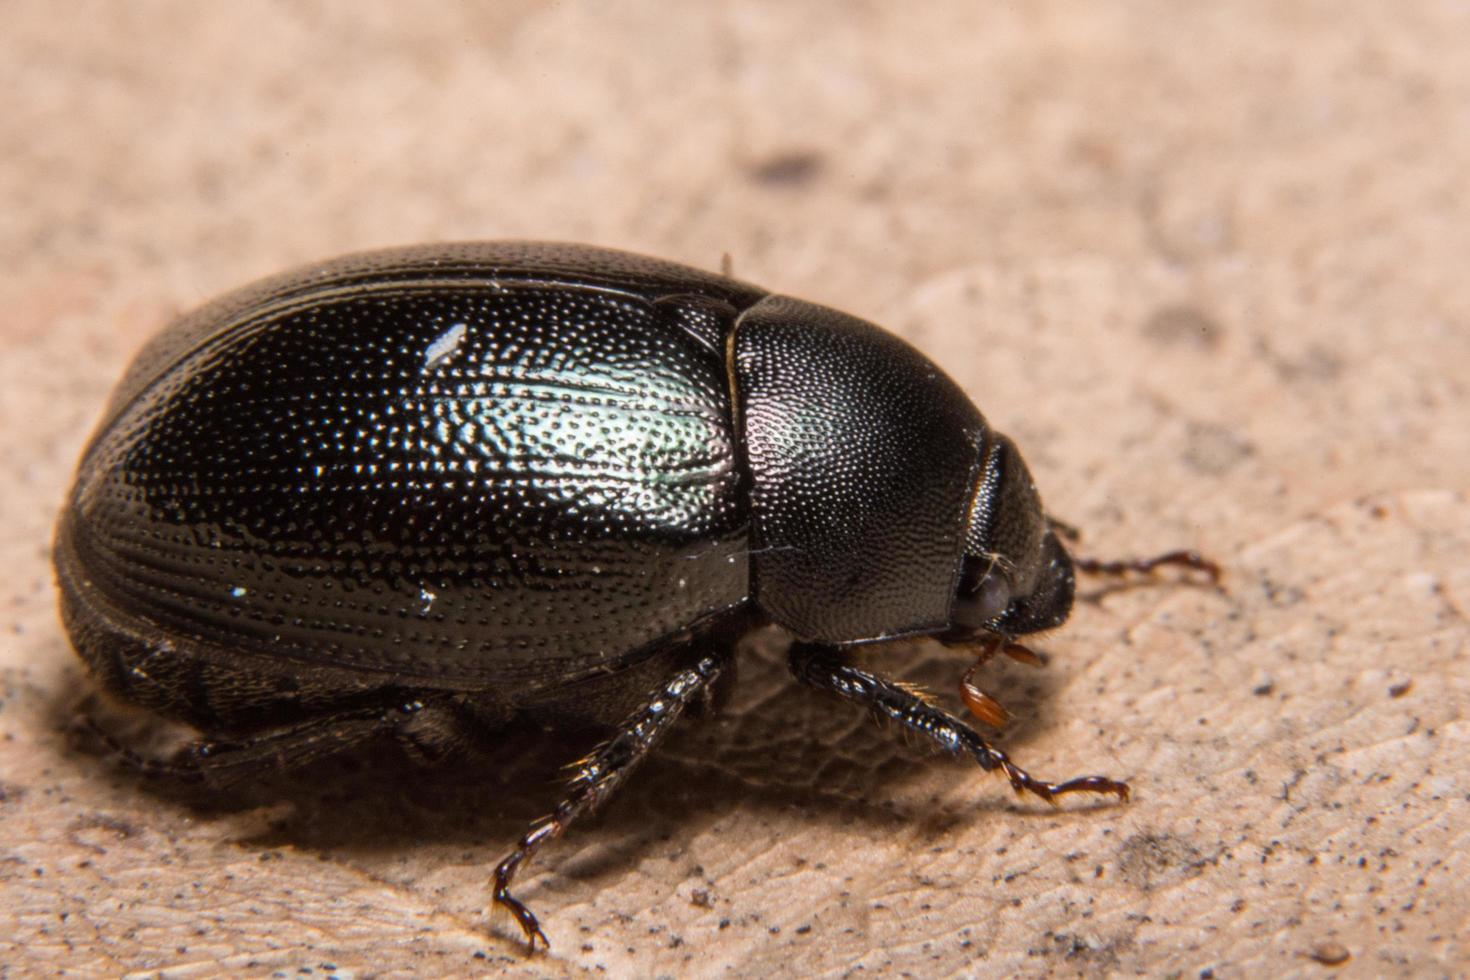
(826, 669)
(425, 729)
(600, 774)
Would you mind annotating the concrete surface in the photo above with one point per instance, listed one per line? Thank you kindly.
(1205, 262)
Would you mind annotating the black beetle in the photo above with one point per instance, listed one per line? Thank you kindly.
(427, 490)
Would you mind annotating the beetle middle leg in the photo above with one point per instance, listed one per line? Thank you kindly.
(825, 668)
(600, 774)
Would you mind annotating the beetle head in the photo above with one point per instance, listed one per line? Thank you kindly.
(1016, 577)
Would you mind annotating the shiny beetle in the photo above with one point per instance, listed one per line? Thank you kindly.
(427, 490)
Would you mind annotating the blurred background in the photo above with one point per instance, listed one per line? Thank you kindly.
(1204, 262)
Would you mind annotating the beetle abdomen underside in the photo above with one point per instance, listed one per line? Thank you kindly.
(460, 478)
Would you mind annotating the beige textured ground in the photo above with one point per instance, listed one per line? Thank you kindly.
(1206, 262)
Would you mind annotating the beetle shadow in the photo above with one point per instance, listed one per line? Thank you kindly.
(777, 748)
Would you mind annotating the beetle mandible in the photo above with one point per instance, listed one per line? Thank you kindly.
(432, 489)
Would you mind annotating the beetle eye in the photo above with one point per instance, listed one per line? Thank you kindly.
(983, 595)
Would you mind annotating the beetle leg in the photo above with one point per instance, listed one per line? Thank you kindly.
(826, 669)
(600, 774)
(223, 761)
(1095, 566)
(1185, 559)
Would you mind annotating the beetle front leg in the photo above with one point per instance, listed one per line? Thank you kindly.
(827, 669)
(600, 774)
(1190, 560)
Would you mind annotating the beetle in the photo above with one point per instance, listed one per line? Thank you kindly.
(429, 490)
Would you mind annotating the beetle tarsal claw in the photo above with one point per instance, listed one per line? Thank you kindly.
(504, 902)
(524, 917)
(1023, 782)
